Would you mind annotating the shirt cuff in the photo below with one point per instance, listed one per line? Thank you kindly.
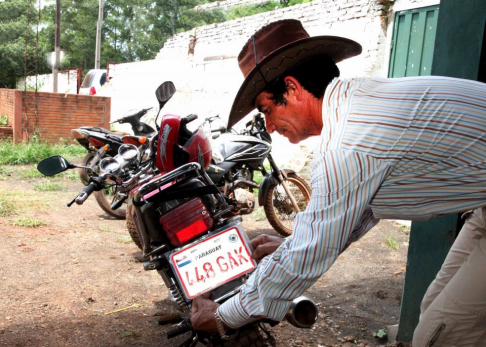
(233, 314)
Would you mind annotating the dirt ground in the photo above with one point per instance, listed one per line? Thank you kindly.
(60, 280)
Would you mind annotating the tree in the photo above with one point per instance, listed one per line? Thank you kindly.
(13, 34)
(78, 31)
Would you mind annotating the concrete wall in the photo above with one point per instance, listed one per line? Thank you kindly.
(55, 115)
(66, 82)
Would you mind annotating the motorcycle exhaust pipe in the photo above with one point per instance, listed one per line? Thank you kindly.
(302, 313)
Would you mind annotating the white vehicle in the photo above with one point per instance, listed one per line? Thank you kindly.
(92, 82)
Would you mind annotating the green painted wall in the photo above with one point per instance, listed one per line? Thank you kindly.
(460, 51)
(459, 44)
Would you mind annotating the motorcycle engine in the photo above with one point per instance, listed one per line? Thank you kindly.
(244, 199)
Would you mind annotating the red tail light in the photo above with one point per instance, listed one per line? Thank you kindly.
(92, 91)
(95, 142)
(187, 222)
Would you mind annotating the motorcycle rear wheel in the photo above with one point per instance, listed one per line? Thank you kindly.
(132, 230)
(83, 173)
(105, 198)
(278, 207)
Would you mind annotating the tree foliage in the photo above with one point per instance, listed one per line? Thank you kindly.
(132, 30)
(13, 35)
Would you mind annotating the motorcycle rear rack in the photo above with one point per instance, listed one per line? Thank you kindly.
(185, 171)
(180, 174)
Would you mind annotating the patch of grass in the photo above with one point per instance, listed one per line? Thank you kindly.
(5, 172)
(404, 228)
(71, 175)
(259, 215)
(7, 208)
(392, 243)
(258, 177)
(250, 10)
(104, 228)
(128, 333)
(48, 186)
(28, 199)
(3, 119)
(124, 239)
(34, 151)
(29, 173)
(28, 222)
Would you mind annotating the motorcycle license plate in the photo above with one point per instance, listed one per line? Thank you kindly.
(212, 262)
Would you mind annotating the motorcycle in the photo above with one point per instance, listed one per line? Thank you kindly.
(101, 143)
(236, 158)
(181, 218)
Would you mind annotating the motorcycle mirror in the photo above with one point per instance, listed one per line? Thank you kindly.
(164, 92)
(53, 165)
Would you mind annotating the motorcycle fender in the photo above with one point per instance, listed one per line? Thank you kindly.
(268, 181)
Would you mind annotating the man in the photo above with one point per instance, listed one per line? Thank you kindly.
(409, 148)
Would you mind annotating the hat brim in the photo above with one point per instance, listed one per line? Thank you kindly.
(281, 60)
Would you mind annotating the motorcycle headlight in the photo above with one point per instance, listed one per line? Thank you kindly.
(110, 165)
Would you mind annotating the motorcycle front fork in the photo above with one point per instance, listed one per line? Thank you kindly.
(282, 181)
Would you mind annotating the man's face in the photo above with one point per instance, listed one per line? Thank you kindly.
(287, 120)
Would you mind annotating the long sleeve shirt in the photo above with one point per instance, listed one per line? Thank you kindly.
(407, 148)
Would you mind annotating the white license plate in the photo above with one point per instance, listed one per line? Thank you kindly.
(212, 262)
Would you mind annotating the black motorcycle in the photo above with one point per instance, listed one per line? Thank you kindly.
(236, 158)
(181, 218)
(102, 143)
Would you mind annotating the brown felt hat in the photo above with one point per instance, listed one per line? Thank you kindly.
(276, 48)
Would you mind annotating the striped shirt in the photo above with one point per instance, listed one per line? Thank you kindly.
(406, 148)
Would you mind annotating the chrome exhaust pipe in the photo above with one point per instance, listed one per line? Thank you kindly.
(302, 313)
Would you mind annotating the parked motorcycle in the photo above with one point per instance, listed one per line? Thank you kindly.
(183, 223)
(236, 158)
(101, 143)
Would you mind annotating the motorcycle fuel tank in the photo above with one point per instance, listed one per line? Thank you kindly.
(237, 148)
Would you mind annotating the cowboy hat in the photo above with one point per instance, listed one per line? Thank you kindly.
(276, 48)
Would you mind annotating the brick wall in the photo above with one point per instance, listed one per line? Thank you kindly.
(5, 133)
(56, 113)
(7, 103)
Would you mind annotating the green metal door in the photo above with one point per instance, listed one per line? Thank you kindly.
(413, 42)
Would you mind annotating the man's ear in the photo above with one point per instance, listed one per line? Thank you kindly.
(294, 88)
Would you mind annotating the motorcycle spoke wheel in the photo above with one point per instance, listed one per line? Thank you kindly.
(278, 207)
(105, 198)
(84, 174)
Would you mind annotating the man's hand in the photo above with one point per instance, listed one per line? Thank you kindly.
(264, 245)
(202, 316)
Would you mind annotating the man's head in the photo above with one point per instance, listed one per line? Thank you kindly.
(280, 53)
(292, 102)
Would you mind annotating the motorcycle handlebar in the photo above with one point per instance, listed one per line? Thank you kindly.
(181, 328)
(188, 119)
(90, 188)
(125, 119)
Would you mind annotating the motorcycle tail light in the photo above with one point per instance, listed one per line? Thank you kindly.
(78, 134)
(186, 222)
(95, 142)
(130, 140)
